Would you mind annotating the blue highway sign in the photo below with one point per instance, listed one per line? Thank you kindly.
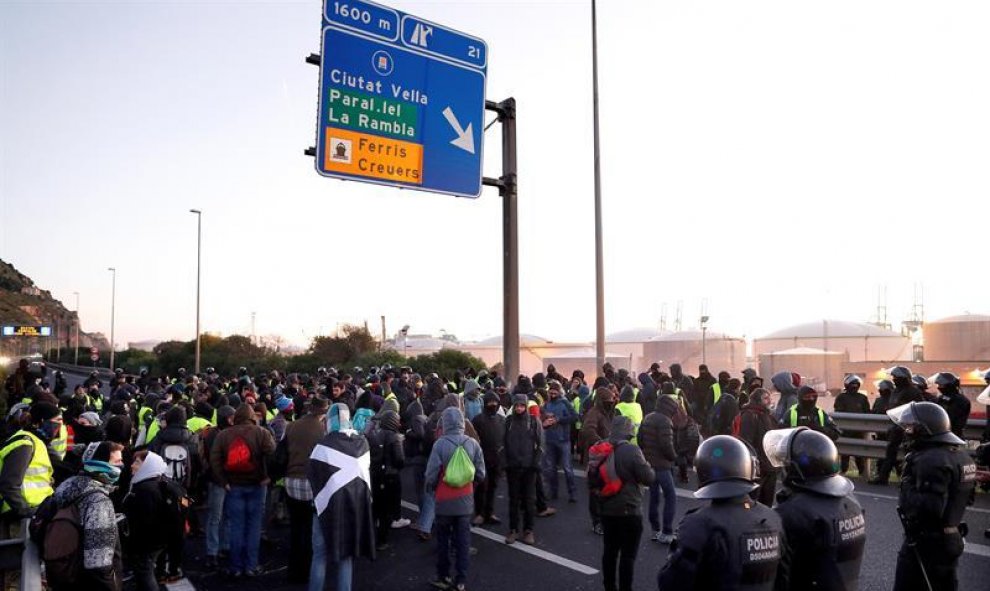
(402, 100)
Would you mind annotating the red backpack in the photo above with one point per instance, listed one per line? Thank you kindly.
(602, 477)
(239, 458)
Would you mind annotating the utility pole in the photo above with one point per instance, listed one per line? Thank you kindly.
(199, 258)
(113, 311)
(76, 361)
(599, 256)
(252, 329)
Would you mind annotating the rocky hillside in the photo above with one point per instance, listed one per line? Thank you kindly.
(22, 302)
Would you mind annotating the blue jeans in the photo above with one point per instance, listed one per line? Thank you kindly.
(216, 526)
(558, 455)
(664, 481)
(427, 511)
(244, 510)
(318, 568)
(453, 531)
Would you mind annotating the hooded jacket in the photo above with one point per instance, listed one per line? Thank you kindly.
(649, 391)
(522, 442)
(490, 427)
(631, 468)
(146, 508)
(180, 435)
(472, 399)
(563, 411)
(597, 423)
(101, 544)
(754, 422)
(259, 441)
(656, 435)
(783, 382)
(453, 501)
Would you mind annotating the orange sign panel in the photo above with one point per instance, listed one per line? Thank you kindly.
(372, 156)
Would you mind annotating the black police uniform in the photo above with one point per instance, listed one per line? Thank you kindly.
(826, 537)
(733, 544)
(957, 407)
(936, 485)
(902, 394)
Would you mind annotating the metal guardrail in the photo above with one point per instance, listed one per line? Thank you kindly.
(867, 424)
(30, 560)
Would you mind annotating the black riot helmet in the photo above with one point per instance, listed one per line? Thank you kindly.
(986, 376)
(899, 372)
(726, 468)
(920, 381)
(885, 386)
(852, 379)
(946, 379)
(810, 460)
(924, 421)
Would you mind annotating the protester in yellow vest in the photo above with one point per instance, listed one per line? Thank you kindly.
(807, 414)
(202, 418)
(26, 473)
(628, 407)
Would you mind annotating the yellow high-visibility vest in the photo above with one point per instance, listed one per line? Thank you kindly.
(197, 424)
(37, 483)
(718, 393)
(635, 413)
(793, 416)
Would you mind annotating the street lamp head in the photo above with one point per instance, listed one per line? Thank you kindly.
(195, 211)
(112, 269)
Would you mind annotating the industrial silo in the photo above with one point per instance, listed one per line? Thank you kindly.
(859, 340)
(958, 338)
(691, 348)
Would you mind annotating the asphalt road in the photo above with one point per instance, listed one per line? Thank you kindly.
(568, 554)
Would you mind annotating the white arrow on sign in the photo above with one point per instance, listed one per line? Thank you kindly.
(465, 137)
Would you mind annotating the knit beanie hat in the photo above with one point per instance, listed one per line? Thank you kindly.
(44, 411)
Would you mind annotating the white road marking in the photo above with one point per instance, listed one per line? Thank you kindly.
(180, 585)
(531, 550)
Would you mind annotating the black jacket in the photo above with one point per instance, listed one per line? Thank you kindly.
(632, 470)
(180, 435)
(957, 406)
(852, 402)
(656, 439)
(491, 432)
(147, 516)
(522, 442)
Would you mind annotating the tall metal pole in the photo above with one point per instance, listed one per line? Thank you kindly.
(76, 361)
(199, 257)
(599, 257)
(508, 189)
(113, 311)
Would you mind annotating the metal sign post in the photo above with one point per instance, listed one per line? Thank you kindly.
(402, 103)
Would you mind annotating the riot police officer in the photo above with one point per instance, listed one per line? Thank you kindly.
(734, 543)
(905, 392)
(824, 524)
(952, 400)
(938, 480)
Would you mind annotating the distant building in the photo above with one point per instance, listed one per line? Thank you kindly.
(147, 346)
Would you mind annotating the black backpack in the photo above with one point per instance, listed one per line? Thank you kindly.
(376, 442)
(58, 533)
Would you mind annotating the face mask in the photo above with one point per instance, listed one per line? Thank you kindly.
(50, 429)
(104, 471)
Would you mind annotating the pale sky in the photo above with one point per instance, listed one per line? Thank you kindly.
(780, 159)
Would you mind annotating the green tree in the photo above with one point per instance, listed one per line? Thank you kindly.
(445, 362)
(351, 342)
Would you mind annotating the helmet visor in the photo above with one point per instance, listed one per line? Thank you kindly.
(984, 397)
(777, 445)
(903, 416)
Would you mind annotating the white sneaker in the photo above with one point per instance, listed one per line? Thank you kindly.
(400, 523)
(666, 538)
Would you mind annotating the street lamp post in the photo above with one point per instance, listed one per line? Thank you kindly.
(599, 256)
(113, 310)
(76, 361)
(704, 334)
(199, 258)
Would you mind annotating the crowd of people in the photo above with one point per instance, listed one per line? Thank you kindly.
(143, 462)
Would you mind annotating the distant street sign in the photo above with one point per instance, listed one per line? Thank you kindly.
(26, 331)
(402, 100)
(94, 357)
